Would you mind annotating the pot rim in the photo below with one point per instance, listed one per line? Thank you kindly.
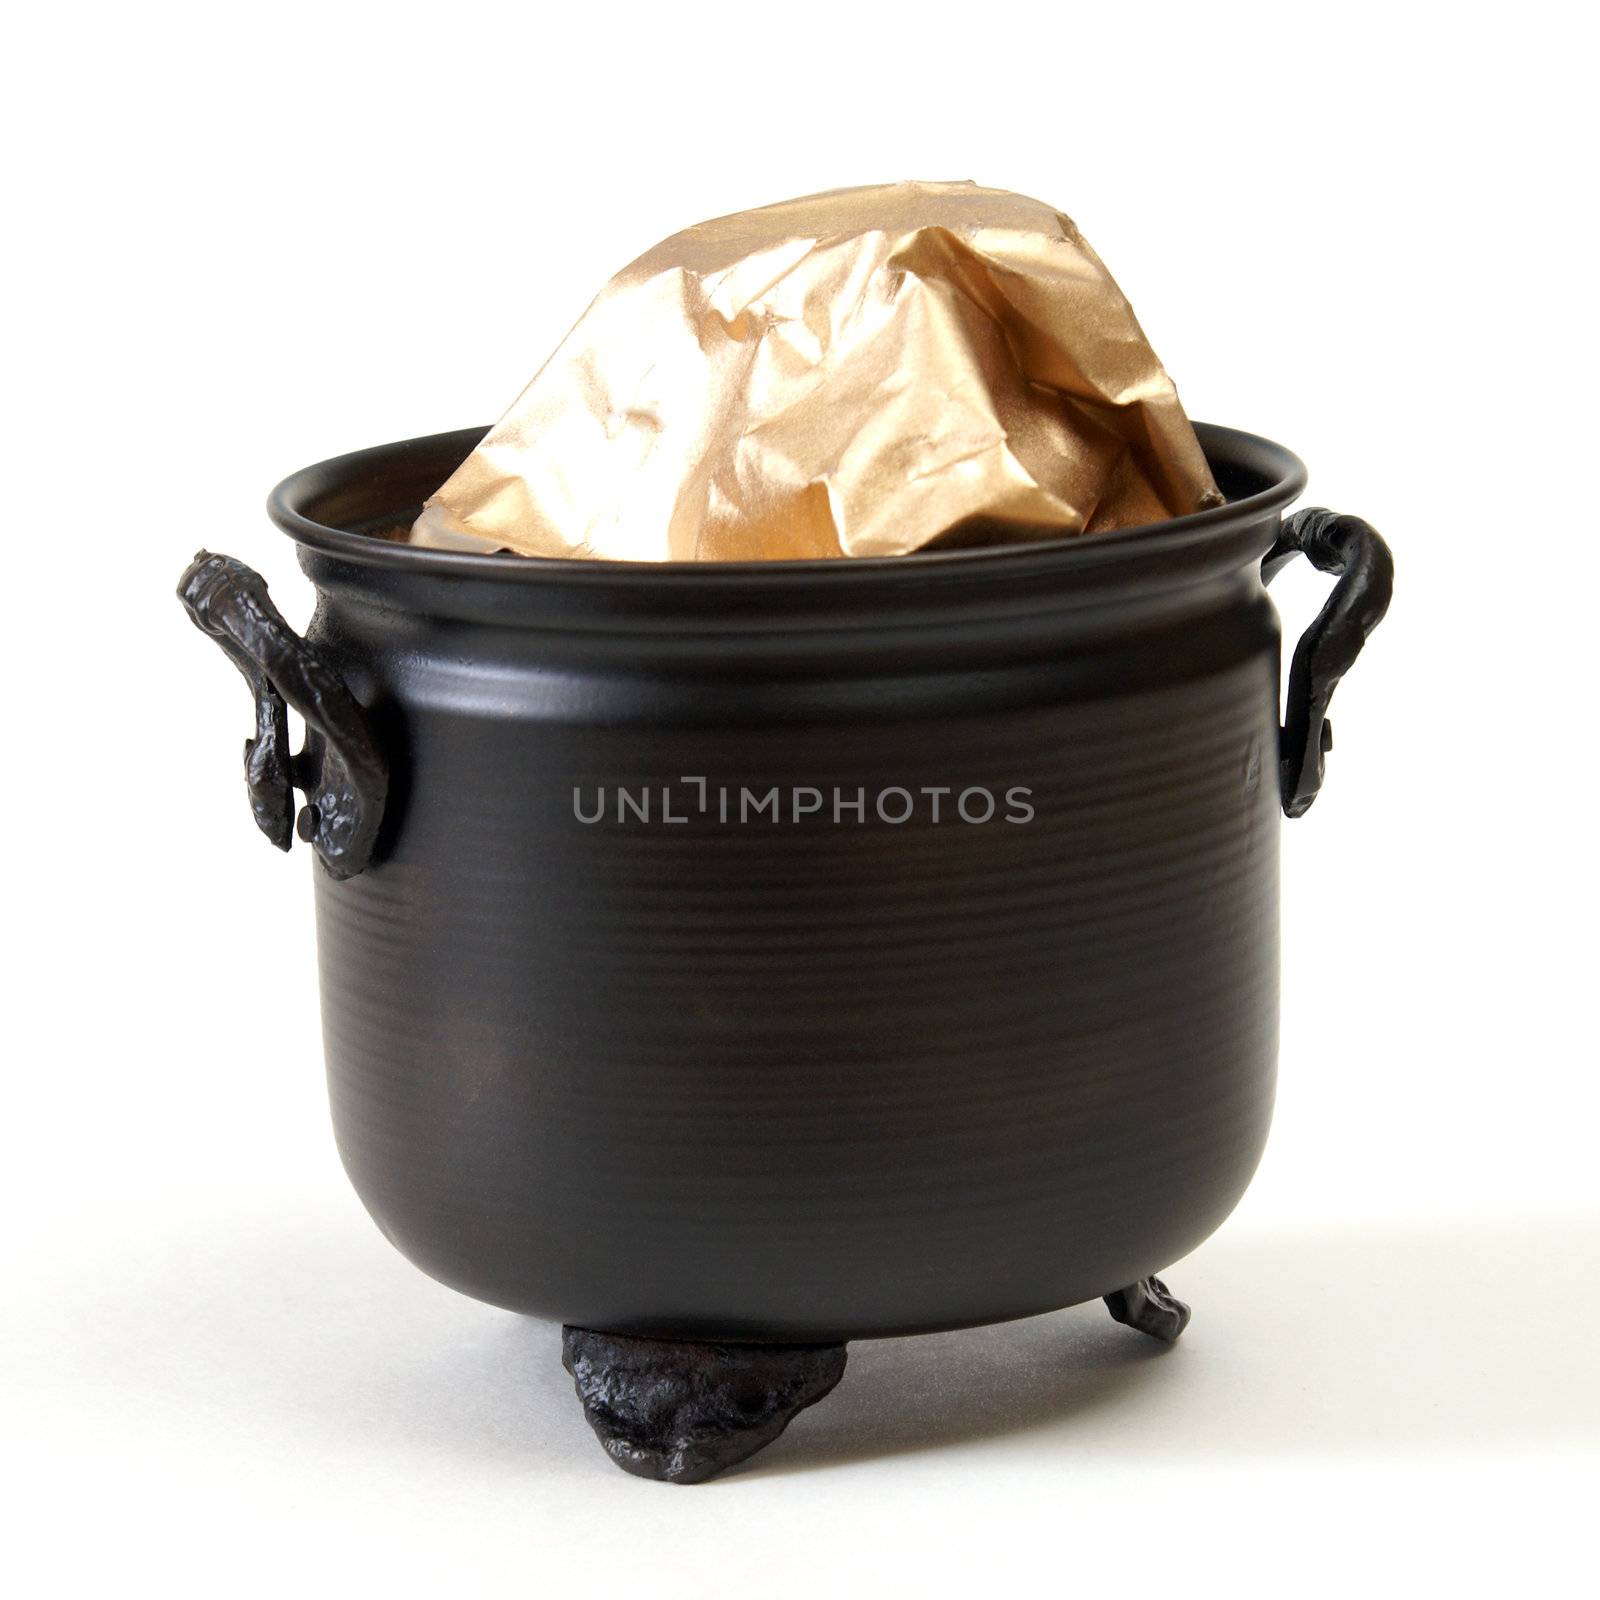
(294, 505)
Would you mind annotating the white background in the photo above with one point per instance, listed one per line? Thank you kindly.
(247, 238)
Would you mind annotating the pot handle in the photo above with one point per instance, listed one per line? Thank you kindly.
(1352, 549)
(341, 769)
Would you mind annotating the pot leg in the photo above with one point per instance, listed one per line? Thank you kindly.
(1151, 1307)
(681, 1412)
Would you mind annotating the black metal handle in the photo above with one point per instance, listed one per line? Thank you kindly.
(1350, 548)
(341, 769)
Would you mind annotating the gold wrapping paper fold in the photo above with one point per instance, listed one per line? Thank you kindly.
(860, 373)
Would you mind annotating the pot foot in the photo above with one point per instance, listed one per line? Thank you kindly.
(680, 1412)
(1151, 1307)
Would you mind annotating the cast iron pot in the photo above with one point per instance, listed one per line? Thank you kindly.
(652, 1007)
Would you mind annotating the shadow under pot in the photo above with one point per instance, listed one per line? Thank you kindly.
(731, 961)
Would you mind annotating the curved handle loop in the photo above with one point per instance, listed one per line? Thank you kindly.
(341, 769)
(1353, 550)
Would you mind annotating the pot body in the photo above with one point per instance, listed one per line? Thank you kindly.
(610, 1042)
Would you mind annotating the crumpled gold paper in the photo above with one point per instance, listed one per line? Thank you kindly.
(859, 373)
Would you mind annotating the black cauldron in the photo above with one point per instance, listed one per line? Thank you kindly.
(729, 961)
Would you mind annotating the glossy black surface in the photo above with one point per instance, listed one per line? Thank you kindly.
(810, 1080)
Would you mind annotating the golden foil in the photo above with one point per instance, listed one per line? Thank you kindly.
(857, 373)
